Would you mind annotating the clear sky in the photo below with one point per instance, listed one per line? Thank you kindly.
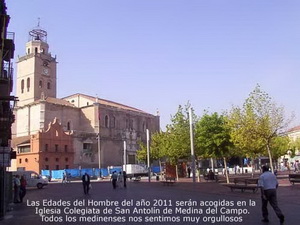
(158, 54)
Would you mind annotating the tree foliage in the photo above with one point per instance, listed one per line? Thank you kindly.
(213, 138)
(178, 136)
(257, 124)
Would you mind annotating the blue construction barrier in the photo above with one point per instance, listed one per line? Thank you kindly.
(77, 173)
(155, 169)
(57, 174)
(89, 171)
(73, 172)
(117, 169)
(104, 172)
(45, 172)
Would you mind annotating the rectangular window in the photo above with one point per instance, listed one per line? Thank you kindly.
(87, 146)
(23, 149)
(46, 147)
(67, 166)
(56, 148)
(66, 148)
(47, 167)
(57, 167)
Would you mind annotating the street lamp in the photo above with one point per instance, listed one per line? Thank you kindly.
(125, 157)
(148, 154)
(99, 153)
(192, 145)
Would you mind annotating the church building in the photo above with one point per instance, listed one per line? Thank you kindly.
(78, 131)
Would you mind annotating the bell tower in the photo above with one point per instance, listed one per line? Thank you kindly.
(36, 70)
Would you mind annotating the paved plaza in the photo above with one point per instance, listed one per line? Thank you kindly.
(150, 203)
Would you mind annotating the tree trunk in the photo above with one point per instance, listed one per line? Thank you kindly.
(252, 167)
(226, 172)
(212, 164)
(270, 158)
(176, 172)
(161, 173)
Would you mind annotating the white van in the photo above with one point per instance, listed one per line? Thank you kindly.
(32, 178)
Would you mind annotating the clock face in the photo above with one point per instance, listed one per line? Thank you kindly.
(45, 71)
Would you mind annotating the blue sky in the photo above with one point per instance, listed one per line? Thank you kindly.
(157, 54)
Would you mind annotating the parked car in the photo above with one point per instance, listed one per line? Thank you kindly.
(46, 177)
(32, 178)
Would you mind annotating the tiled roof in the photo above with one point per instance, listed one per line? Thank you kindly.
(58, 101)
(109, 103)
(297, 128)
(20, 140)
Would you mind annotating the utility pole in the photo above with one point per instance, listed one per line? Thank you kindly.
(148, 155)
(192, 144)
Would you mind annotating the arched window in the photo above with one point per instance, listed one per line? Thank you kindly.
(35, 50)
(22, 86)
(28, 51)
(48, 85)
(106, 121)
(69, 125)
(131, 124)
(40, 84)
(28, 84)
(113, 122)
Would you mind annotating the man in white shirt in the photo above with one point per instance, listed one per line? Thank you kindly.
(268, 184)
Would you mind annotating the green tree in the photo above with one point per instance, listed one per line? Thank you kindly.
(256, 124)
(178, 137)
(158, 145)
(212, 138)
(280, 146)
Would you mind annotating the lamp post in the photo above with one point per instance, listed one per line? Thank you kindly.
(148, 155)
(125, 157)
(192, 144)
(99, 154)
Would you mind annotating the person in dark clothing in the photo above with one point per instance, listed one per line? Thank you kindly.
(189, 172)
(211, 175)
(86, 183)
(23, 185)
(124, 178)
(114, 178)
(268, 185)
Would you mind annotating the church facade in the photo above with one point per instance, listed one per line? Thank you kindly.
(77, 131)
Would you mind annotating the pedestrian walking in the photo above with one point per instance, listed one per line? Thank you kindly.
(189, 172)
(268, 184)
(23, 185)
(114, 178)
(124, 178)
(86, 183)
(63, 181)
(120, 179)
